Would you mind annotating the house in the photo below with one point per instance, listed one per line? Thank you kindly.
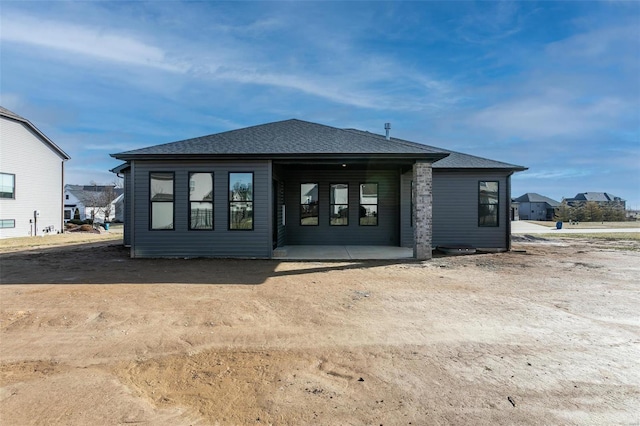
(295, 182)
(515, 210)
(603, 199)
(31, 179)
(534, 206)
(93, 202)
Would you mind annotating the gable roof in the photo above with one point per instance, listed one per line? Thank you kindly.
(87, 194)
(13, 116)
(595, 196)
(285, 139)
(297, 138)
(532, 197)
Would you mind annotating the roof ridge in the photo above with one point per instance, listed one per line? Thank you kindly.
(396, 140)
(222, 133)
(410, 143)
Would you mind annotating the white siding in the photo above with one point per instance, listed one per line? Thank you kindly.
(38, 180)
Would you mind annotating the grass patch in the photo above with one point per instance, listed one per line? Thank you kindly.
(70, 238)
(604, 236)
(588, 225)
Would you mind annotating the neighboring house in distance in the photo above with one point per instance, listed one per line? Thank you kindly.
(515, 210)
(31, 179)
(603, 199)
(536, 207)
(295, 182)
(90, 202)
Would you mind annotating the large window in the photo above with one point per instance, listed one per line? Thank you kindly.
(368, 204)
(201, 201)
(7, 185)
(339, 204)
(241, 201)
(161, 200)
(488, 206)
(7, 223)
(309, 204)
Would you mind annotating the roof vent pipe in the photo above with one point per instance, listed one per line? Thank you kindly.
(387, 127)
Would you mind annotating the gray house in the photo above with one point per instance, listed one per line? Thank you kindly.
(603, 199)
(245, 192)
(31, 179)
(534, 206)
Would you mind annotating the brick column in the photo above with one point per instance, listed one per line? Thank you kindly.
(422, 210)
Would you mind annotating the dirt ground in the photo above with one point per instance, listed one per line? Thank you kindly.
(546, 336)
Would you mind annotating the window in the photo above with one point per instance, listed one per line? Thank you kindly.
(67, 214)
(66, 197)
(7, 223)
(201, 201)
(488, 206)
(161, 200)
(308, 204)
(339, 204)
(241, 201)
(368, 204)
(7, 185)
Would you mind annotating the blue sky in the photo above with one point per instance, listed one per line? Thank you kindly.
(553, 86)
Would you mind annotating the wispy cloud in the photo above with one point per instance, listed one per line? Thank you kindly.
(349, 78)
(548, 116)
(559, 173)
(87, 41)
(552, 86)
(490, 24)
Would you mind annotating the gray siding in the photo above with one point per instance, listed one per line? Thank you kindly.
(385, 233)
(221, 242)
(455, 210)
(128, 185)
(280, 202)
(535, 211)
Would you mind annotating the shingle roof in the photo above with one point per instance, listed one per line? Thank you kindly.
(12, 115)
(595, 196)
(456, 160)
(88, 194)
(289, 137)
(121, 168)
(299, 138)
(532, 197)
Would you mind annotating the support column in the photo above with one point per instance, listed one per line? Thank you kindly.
(422, 210)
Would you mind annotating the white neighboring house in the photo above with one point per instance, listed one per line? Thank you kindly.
(31, 179)
(97, 202)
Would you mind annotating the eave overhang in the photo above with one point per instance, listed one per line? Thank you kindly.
(511, 169)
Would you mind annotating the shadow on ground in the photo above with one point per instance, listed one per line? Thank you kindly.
(100, 263)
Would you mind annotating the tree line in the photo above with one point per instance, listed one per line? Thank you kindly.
(589, 212)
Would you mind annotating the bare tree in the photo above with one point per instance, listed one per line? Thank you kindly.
(107, 196)
(100, 199)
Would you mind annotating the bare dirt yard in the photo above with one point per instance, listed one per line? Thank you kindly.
(546, 336)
